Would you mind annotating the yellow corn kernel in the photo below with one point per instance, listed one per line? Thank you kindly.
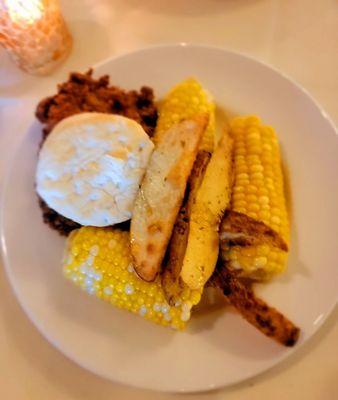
(98, 260)
(255, 265)
(185, 100)
(258, 192)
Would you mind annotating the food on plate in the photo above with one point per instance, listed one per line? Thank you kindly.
(204, 211)
(212, 199)
(90, 167)
(186, 100)
(99, 261)
(258, 196)
(161, 193)
(56, 221)
(83, 93)
(172, 283)
(242, 230)
(256, 311)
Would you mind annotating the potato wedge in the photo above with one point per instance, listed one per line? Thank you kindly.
(258, 313)
(212, 199)
(161, 194)
(171, 282)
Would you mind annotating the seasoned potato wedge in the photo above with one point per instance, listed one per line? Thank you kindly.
(171, 282)
(212, 199)
(161, 194)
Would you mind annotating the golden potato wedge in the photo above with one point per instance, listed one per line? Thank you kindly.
(258, 313)
(212, 199)
(161, 194)
(171, 282)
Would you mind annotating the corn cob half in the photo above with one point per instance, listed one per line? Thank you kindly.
(258, 195)
(98, 260)
(186, 100)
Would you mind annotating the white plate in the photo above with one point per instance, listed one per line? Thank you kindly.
(219, 348)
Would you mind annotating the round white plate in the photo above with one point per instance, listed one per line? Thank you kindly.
(219, 348)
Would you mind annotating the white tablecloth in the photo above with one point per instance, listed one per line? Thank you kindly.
(299, 37)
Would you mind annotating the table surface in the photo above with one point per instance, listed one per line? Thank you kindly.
(298, 37)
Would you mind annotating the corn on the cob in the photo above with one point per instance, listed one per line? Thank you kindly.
(98, 260)
(258, 192)
(186, 100)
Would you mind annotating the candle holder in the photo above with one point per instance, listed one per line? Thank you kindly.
(34, 34)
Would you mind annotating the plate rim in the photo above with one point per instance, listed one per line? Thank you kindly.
(4, 251)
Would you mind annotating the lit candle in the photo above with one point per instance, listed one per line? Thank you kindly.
(34, 33)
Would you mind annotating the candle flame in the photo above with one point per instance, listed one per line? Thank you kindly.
(25, 11)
